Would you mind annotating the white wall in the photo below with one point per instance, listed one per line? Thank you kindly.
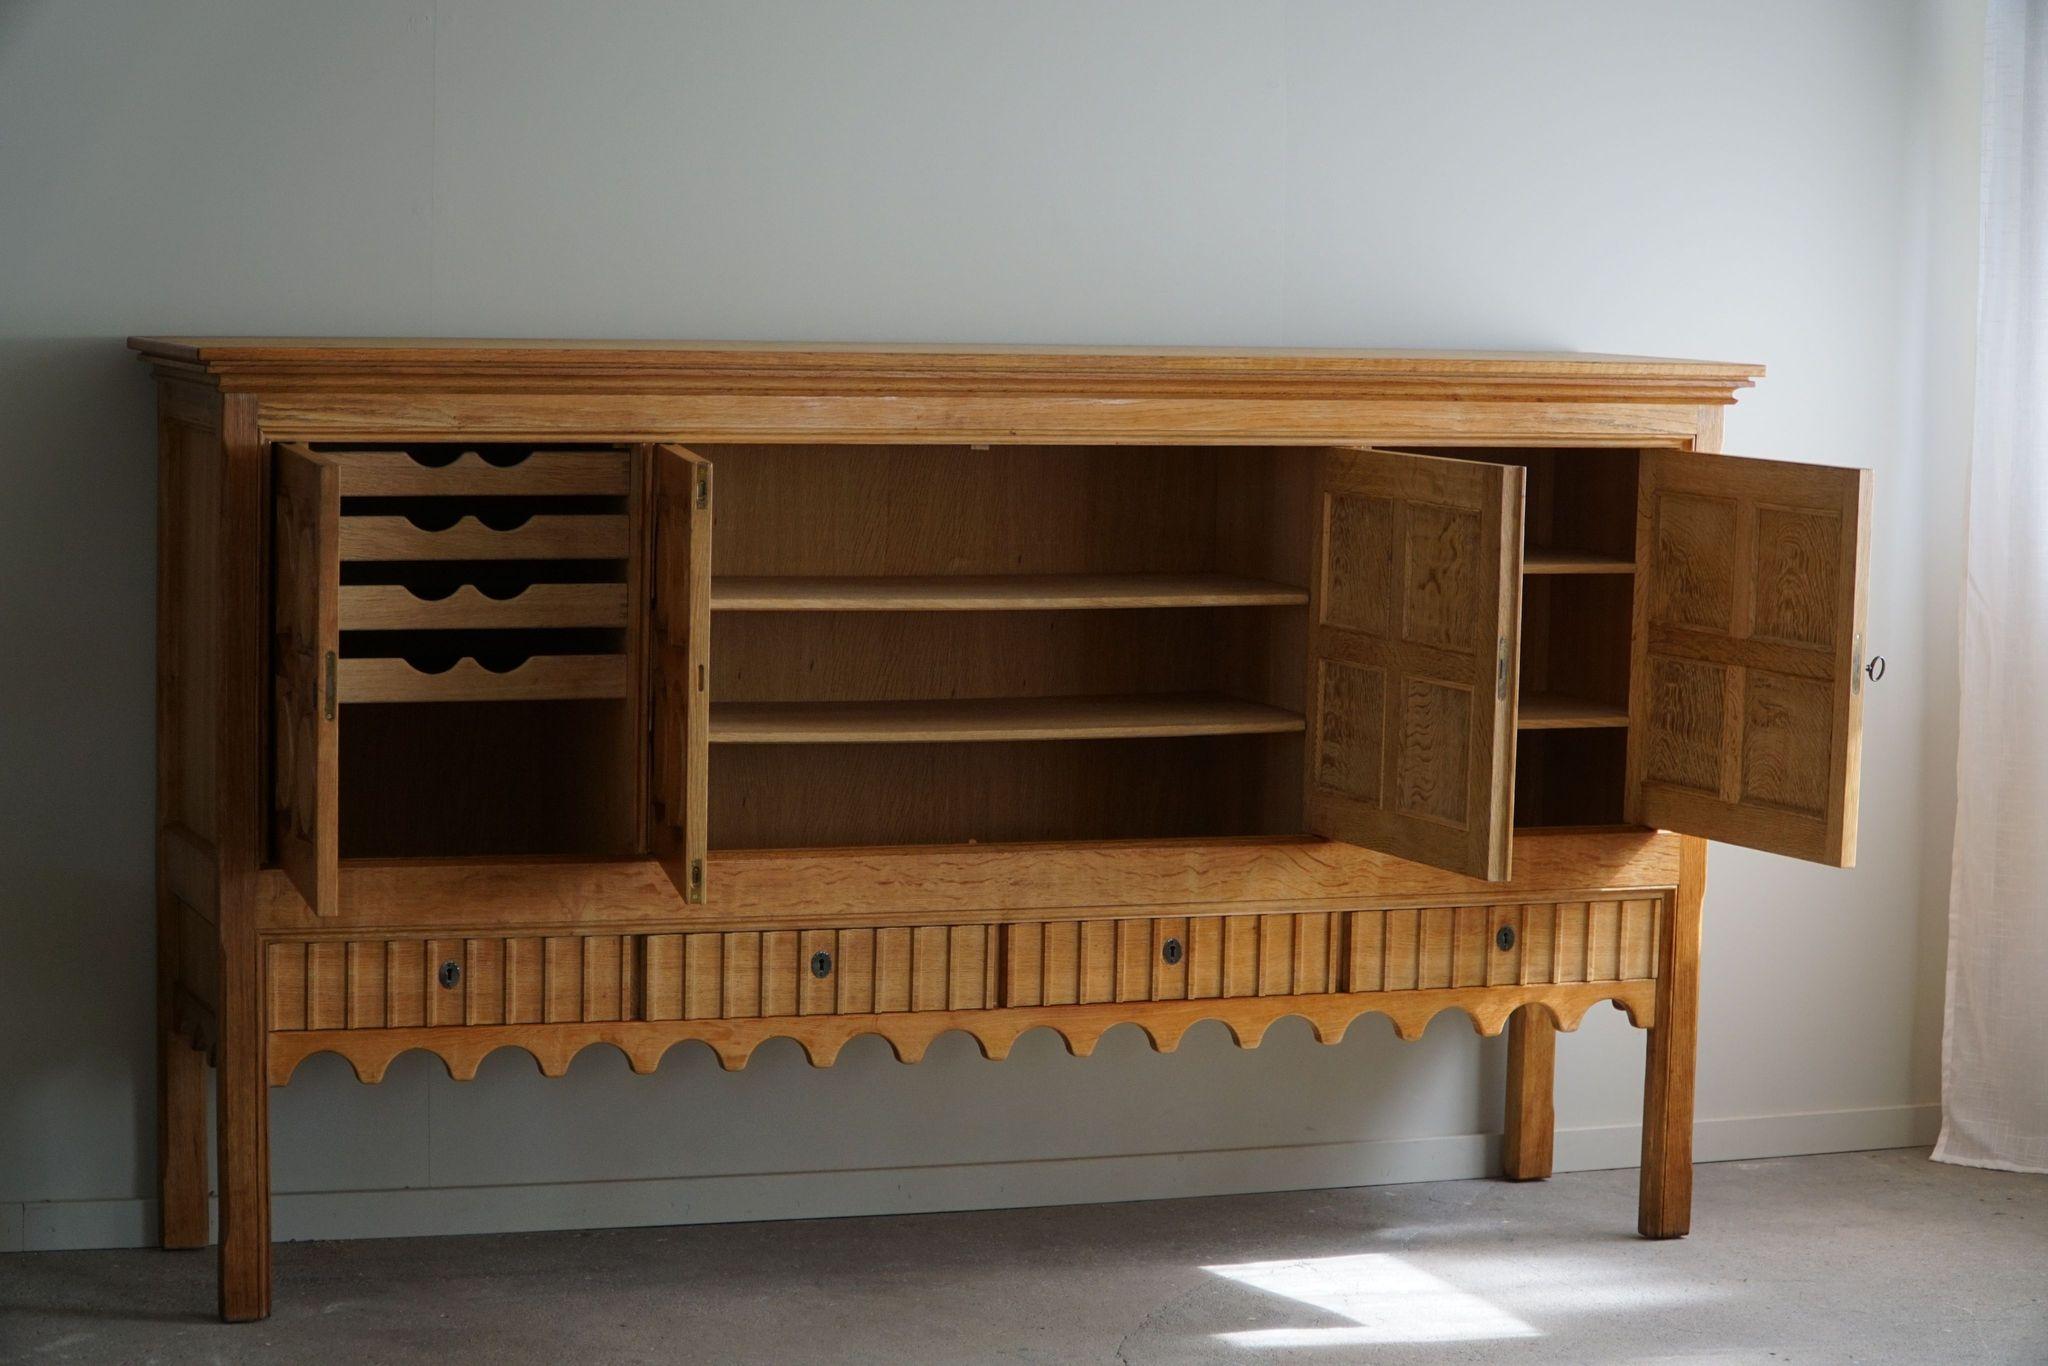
(1782, 182)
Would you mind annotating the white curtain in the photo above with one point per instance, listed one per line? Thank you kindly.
(1995, 1040)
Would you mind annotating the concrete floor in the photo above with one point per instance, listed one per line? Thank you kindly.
(1856, 1257)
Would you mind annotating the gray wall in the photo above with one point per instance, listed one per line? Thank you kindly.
(1782, 182)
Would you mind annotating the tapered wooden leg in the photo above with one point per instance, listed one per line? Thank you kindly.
(1664, 1207)
(180, 1101)
(1525, 1146)
(243, 1096)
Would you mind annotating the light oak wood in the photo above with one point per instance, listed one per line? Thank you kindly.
(544, 537)
(680, 664)
(1527, 1141)
(1665, 1202)
(1550, 711)
(910, 1034)
(1413, 648)
(545, 677)
(995, 593)
(393, 607)
(1747, 704)
(970, 719)
(1136, 528)
(396, 474)
(306, 805)
(1574, 562)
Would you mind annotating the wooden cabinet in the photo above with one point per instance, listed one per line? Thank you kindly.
(547, 694)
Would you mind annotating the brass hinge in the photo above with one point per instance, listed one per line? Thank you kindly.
(703, 488)
(1856, 669)
(697, 880)
(1500, 672)
(328, 709)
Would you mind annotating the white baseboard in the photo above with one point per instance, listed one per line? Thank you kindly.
(413, 1212)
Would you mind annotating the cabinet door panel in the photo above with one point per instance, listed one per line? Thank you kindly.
(1745, 716)
(680, 647)
(1415, 605)
(306, 598)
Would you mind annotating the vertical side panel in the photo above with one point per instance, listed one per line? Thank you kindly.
(306, 608)
(661, 977)
(326, 985)
(779, 972)
(1205, 957)
(287, 978)
(1024, 964)
(1134, 960)
(1062, 961)
(602, 974)
(741, 993)
(1169, 980)
(703, 977)
(1403, 950)
(484, 979)
(525, 978)
(366, 992)
(966, 967)
(856, 972)
(680, 658)
(1098, 961)
(892, 970)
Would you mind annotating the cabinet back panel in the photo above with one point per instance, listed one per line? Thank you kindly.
(865, 510)
(797, 796)
(1569, 777)
(453, 779)
(894, 656)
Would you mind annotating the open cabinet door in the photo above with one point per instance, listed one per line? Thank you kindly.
(306, 596)
(680, 647)
(1414, 618)
(1746, 709)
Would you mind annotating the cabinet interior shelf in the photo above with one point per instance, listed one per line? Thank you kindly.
(1574, 562)
(996, 593)
(1003, 718)
(1554, 711)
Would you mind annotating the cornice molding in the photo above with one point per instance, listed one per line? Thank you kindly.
(331, 365)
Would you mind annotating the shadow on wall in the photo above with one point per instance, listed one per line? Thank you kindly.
(77, 736)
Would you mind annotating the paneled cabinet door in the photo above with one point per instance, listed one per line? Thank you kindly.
(680, 646)
(1745, 720)
(306, 599)
(1415, 612)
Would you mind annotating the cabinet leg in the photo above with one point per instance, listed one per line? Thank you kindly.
(243, 1095)
(1526, 1141)
(180, 1142)
(180, 1102)
(1664, 1206)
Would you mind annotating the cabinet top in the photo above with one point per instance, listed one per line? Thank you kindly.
(412, 362)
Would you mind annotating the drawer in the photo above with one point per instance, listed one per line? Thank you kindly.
(749, 974)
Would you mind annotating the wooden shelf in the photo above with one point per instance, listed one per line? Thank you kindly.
(1553, 711)
(997, 593)
(1005, 718)
(538, 538)
(1574, 562)
(542, 678)
(389, 474)
(393, 607)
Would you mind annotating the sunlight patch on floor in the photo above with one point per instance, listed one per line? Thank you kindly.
(1386, 1300)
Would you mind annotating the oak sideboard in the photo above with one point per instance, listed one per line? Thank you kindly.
(555, 693)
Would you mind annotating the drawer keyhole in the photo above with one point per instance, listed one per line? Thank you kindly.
(450, 974)
(1504, 938)
(1171, 952)
(821, 964)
